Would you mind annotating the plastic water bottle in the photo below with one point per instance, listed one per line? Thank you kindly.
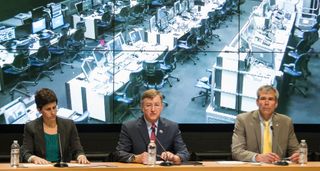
(152, 153)
(303, 152)
(15, 152)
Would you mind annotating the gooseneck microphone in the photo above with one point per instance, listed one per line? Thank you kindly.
(282, 161)
(60, 163)
(165, 162)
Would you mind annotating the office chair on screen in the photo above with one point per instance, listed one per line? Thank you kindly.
(213, 23)
(153, 76)
(105, 23)
(168, 63)
(41, 60)
(128, 98)
(77, 41)
(59, 51)
(296, 71)
(186, 48)
(137, 13)
(20, 68)
(204, 83)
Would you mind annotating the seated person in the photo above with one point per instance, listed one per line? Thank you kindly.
(41, 136)
(135, 135)
(264, 135)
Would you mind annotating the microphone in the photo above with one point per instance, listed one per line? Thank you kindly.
(60, 163)
(282, 161)
(165, 162)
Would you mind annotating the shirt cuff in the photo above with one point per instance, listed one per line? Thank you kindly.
(254, 158)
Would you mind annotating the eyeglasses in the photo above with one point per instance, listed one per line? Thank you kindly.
(150, 106)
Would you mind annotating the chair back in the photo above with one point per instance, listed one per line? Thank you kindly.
(136, 81)
(106, 17)
(20, 63)
(43, 54)
(303, 46)
(150, 67)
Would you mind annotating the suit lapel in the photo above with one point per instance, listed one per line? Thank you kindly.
(41, 142)
(142, 127)
(161, 135)
(256, 126)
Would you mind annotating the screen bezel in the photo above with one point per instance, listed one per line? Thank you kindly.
(35, 22)
(58, 18)
(111, 46)
(133, 33)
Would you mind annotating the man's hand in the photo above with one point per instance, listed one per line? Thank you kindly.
(82, 159)
(39, 160)
(294, 157)
(141, 158)
(167, 155)
(267, 158)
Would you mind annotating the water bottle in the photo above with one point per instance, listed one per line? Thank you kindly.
(15, 152)
(152, 153)
(303, 152)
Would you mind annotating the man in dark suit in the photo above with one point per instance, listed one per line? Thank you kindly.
(250, 141)
(135, 135)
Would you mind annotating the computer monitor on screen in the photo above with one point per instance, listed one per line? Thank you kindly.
(161, 12)
(96, 3)
(38, 25)
(115, 46)
(57, 22)
(120, 35)
(79, 7)
(13, 111)
(272, 3)
(152, 24)
(183, 6)
(87, 67)
(190, 5)
(135, 36)
(262, 56)
(170, 13)
(99, 54)
(37, 12)
(176, 6)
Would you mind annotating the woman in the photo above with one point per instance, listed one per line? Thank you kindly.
(41, 136)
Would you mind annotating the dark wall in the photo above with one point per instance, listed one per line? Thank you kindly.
(208, 145)
(10, 8)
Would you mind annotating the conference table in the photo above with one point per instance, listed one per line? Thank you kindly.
(191, 166)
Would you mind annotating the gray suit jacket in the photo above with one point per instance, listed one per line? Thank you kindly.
(246, 139)
(34, 143)
(134, 139)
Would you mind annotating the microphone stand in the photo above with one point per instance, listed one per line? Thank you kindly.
(60, 163)
(282, 161)
(165, 162)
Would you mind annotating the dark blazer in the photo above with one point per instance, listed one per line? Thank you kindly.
(246, 139)
(34, 142)
(134, 139)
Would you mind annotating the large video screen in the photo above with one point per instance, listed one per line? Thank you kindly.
(207, 81)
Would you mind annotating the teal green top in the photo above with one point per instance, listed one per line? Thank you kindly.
(52, 147)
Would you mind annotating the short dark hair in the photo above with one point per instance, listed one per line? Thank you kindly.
(267, 88)
(44, 96)
(150, 94)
